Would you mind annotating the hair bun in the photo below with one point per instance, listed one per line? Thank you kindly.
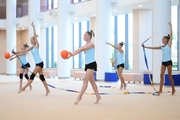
(91, 31)
(122, 43)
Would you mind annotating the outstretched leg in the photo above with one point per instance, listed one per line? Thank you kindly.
(27, 77)
(95, 88)
(170, 78)
(44, 82)
(123, 84)
(87, 76)
(163, 68)
(36, 69)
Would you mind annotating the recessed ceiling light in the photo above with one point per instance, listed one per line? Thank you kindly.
(140, 5)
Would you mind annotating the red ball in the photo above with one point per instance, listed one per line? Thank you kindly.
(64, 54)
(7, 55)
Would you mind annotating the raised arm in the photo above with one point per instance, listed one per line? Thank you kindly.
(35, 35)
(111, 45)
(171, 34)
(156, 48)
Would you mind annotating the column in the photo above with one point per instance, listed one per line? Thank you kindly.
(10, 34)
(161, 17)
(103, 34)
(178, 35)
(64, 38)
(142, 30)
(93, 27)
(34, 9)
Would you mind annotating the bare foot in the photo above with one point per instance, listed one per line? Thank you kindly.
(121, 87)
(97, 100)
(77, 101)
(173, 91)
(158, 93)
(47, 92)
(125, 86)
(21, 90)
(30, 87)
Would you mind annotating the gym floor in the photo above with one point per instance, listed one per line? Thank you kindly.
(58, 105)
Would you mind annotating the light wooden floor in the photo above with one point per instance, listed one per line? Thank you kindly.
(33, 105)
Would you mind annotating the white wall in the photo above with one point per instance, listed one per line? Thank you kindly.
(2, 51)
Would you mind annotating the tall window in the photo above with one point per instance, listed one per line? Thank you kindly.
(79, 29)
(122, 26)
(51, 47)
(174, 51)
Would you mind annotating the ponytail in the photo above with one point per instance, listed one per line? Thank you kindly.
(91, 34)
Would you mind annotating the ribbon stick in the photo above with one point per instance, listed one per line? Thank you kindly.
(146, 62)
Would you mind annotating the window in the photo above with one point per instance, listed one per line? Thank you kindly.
(174, 51)
(78, 32)
(51, 47)
(122, 29)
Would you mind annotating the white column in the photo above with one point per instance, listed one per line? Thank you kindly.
(103, 34)
(10, 34)
(64, 38)
(161, 17)
(93, 27)
(34, 9)
(142, 30)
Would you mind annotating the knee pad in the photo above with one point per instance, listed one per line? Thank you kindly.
(42, 78)
(32, 76)
(21, 76)
(26, 76)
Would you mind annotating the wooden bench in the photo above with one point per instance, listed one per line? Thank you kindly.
(78, 74)
(135, 77)
(49, 73)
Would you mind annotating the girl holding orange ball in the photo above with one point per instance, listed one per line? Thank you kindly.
(25, 65)
(90, 66)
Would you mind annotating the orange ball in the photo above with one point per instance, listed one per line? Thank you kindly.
(7, 55)
(64, 54)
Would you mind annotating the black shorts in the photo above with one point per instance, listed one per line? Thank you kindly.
(92, 66)
(120, 65)
(167, 63)
(26, 66)
(41, 64)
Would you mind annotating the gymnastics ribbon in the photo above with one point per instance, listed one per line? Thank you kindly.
(68, 90)
(146, 62)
